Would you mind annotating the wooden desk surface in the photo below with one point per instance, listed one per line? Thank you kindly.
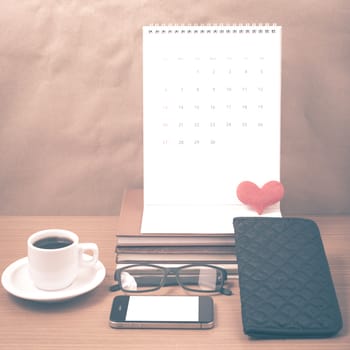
(82, 323)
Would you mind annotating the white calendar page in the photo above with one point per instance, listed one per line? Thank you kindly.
(211, 120)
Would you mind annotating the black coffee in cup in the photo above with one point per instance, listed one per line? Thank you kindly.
(53, 242)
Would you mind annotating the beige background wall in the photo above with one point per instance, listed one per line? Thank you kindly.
(71, 99)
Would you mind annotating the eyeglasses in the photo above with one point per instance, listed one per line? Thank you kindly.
(140, 278)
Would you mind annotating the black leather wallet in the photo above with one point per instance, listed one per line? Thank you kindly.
(286, 287)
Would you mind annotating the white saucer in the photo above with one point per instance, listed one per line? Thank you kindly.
(15, 279)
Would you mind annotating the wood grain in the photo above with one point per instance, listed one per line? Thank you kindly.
(82, 323)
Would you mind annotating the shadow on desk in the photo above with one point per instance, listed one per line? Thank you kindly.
(340, 279)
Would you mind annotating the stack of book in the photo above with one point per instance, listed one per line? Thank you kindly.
(168, 250)
(176, 250)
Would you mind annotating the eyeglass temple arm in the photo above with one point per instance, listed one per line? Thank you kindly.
(172, 281)
(154, 281)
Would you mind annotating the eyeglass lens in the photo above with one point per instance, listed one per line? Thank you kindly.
(200, 278)
(141, 278)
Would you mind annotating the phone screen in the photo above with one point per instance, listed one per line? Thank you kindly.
(163, 309)
(162, 312)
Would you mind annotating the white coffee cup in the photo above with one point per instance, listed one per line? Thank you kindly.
(55, 257)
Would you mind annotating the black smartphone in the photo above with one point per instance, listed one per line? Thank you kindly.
(163, 311)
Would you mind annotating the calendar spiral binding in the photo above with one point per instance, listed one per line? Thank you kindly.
(240, 28)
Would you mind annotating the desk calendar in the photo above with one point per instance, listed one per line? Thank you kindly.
(211, 99)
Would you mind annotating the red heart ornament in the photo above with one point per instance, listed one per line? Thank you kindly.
(260, 198)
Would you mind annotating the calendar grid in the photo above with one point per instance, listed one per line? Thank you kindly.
(211, 111)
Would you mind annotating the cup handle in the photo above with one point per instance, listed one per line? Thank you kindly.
(87, 259)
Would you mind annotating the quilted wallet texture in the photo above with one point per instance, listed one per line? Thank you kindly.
(285, 283)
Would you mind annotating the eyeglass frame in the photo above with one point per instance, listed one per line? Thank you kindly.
(166, 272)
